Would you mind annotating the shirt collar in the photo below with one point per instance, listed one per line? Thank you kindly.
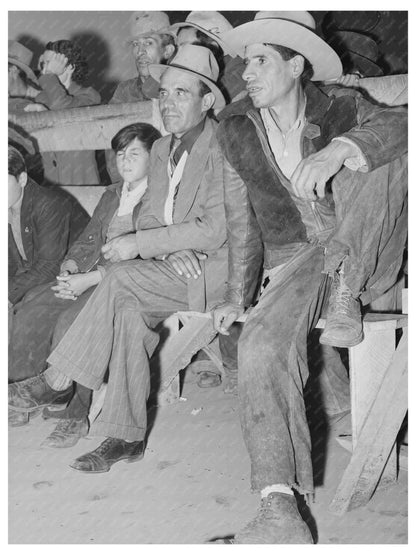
(270, 115)
(126, 192)
(188, 139)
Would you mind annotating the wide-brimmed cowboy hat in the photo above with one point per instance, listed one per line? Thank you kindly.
(291, 30)
(198, 61)
(212, 24)
(148, 23)
(21, 57)
(357, 52)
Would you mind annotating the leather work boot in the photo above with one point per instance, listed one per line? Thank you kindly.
(35, 393)
(277, 521)
(344, 323)
(108, 453)
(67, 433)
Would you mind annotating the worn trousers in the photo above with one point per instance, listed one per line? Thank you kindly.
(115, 331)
(273, 370)
(39, 322)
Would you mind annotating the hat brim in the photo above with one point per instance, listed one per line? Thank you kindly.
(156, 71)
(226, 48)
(367, 67)
(25, 68)
(324, 60)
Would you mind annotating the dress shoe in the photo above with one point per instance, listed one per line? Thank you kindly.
(278, 521)
(35, 393)
(67, 433)
(109, 452)
(344, 323)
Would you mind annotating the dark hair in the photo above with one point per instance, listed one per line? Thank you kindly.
(17, 163)
(75, 57)
(288, 53)
(144, 132)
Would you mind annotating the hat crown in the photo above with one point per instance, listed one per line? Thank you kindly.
(304, 18)
(213, 22)
(148, 22)
(197, 59)
(355, 42)
(19, 53)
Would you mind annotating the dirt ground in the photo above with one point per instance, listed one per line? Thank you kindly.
(193, 485)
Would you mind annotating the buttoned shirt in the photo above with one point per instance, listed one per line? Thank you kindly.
(129, 198)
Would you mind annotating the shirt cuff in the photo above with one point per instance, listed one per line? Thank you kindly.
(357, 162)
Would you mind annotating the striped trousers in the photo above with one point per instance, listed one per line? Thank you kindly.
(114, 331)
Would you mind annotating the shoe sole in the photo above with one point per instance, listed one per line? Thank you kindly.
(343, 344)
(56, 404)
(124, 459)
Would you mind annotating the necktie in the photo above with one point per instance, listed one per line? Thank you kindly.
(173, 155)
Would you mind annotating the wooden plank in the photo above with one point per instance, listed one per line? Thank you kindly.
(179, 350)
(377, 436)
(88, 128)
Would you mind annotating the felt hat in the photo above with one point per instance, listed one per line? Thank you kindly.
(212, 24)
(357, 50)
(148, 23)
(21, 57)
(295, 30)
(198, 61)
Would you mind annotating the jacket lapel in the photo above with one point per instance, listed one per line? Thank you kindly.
(193, 173)
(158, 178)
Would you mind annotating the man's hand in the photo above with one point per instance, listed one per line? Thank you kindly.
(72, 286)
(224, 315)
(68, 266)
(56, 64)
(312, 173)
(121, 248)
(186, 262)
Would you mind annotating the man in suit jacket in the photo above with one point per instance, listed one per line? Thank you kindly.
(181, 242)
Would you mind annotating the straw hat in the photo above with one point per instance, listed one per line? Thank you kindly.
(198, 61)
(295, 30)
(149, 23)
(212, 24)
(21, 57)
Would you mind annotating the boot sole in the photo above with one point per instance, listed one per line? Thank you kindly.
(124, 459)
(343, 344)
(56, 404)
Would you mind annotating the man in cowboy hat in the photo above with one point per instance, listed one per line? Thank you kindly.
(182, 264)
(282, 146)
(151, 42)
(207, 29)
(22, 82)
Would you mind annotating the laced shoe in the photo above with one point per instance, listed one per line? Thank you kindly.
(17, 419)
(278, 521)
(35, 393)
(67, 433)
(344, 323)
(108, 453)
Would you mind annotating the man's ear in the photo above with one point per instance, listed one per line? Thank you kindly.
(22, 179)
(208, 101)
(169, 51)
(298, 63)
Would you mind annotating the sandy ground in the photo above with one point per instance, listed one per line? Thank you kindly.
(193, 485)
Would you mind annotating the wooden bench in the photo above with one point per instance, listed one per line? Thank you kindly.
(378, 383)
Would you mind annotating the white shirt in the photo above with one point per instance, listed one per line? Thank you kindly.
(129, 199)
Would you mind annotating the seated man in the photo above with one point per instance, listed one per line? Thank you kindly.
(22, 82)
(181, 240)
(282, 146)
(42, 224)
